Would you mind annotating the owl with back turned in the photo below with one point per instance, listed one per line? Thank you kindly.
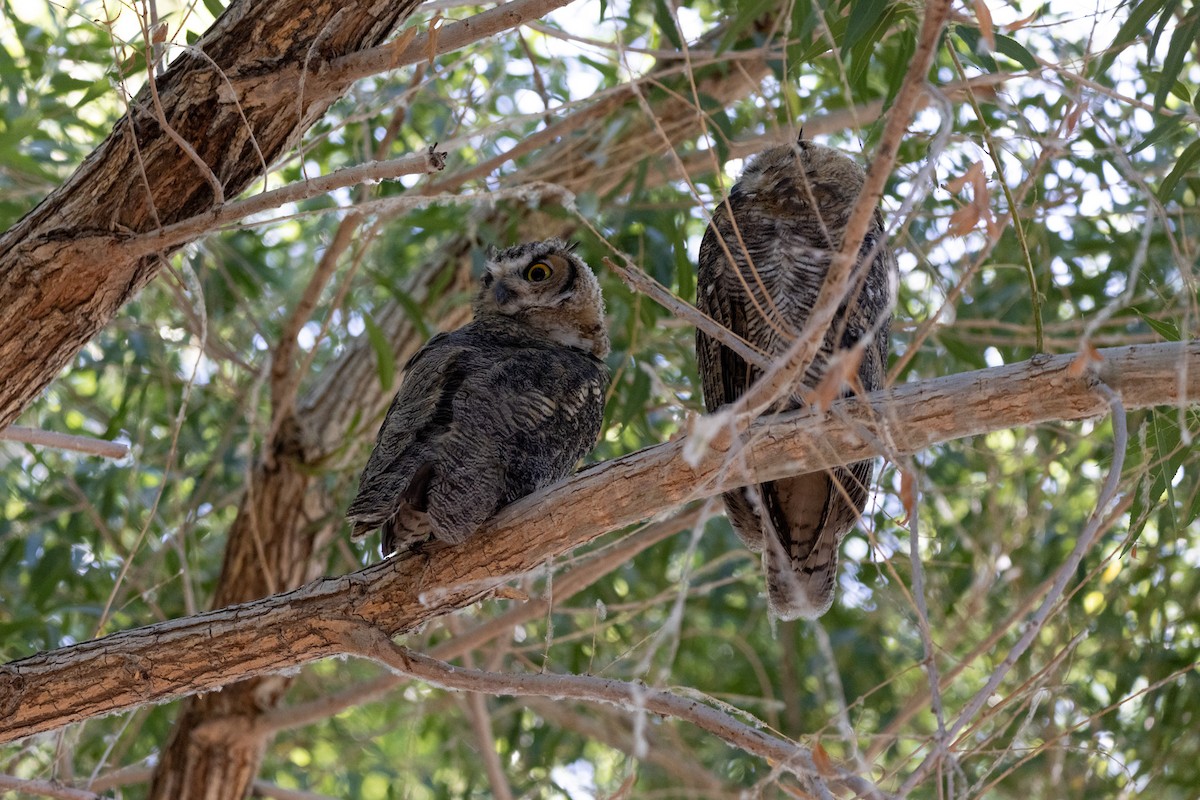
(494, 410)
(782, 223)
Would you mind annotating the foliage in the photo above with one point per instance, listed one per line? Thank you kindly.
(1091, 120)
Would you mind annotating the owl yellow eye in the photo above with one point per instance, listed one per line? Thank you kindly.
(537, 272)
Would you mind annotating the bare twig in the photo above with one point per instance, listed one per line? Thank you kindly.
(170, 236)
(632, 697)
(1087, 538)
(196, 290)
(639, 281)
(485, 742)
(447, 39)
(45, 789)
(65, 441)
(206, 172)
(918, 592)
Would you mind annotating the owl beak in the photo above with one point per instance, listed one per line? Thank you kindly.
(501, 293)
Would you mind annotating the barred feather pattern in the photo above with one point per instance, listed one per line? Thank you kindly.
(495, 410)
(762, 263)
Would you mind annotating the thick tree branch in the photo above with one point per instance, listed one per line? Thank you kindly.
(64, 441)
(206, 651)
(238, 99)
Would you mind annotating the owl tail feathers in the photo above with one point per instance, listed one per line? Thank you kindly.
(399, 512)
(800, 558)
(795, 593)
(406, 528)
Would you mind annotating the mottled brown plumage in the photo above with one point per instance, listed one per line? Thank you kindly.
(494, 410)
(791, 206)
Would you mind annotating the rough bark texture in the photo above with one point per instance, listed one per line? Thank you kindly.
(62, 271)
(204, 652)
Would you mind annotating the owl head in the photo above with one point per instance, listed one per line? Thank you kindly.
(548, 287)
(801, 171)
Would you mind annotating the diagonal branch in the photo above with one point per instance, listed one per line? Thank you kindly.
(206, 651)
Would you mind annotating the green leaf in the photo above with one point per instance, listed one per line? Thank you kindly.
(665, 20)
(215, 7)
(865, 16)
(63, 83)
(968, 353)
(385, 358)
(1163, 18)
(906, 47)
(748, 12)
(1164, 328)
(1016, 51)
(1164, 455)
(1182, 41)
(1157, 132)
(972, 38)
(1181, 90)
(1186, 159)
(1135, 25)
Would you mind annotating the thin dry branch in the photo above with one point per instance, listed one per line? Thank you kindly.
(447, 39)
(45, 789)
(636, 698)
(639, 281)
(206, 651)
(1087, 538)
(65, 441)
(171, 236)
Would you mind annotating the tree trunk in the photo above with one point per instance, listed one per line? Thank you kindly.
(62, 271)
(282, 520)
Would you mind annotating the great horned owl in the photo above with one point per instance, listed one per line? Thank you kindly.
(494, 410)
(782, 223)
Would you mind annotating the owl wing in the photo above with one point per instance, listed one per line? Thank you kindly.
(518, 425)
(409, 431)
(797, 522)
(724, 375)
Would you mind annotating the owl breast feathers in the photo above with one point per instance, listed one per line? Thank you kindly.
(763, 261)
(494, 410)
